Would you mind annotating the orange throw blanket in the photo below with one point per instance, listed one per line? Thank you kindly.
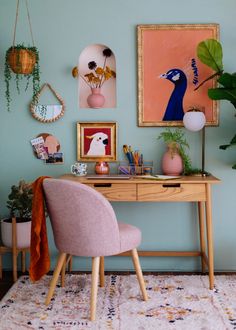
(39, 251)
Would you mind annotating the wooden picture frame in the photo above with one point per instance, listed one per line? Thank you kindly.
(96, 141)
(169, 51)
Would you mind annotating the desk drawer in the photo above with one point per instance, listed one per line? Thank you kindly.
(171, 192)
(116, 191)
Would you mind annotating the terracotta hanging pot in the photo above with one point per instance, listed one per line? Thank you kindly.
(21, 61)
(172, 163)
(96, 100)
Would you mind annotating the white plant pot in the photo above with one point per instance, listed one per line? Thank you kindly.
(23, 234)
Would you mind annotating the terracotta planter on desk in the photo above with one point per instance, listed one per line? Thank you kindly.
(172, 163)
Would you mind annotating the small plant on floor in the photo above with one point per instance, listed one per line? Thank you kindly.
(20, 201)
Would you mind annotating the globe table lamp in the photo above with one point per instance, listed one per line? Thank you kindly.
(194, 120)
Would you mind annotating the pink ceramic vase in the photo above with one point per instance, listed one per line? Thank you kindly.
(172, 163)
(96, 100)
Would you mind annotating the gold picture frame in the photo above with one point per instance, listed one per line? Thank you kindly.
(162, 49)
(96, 141)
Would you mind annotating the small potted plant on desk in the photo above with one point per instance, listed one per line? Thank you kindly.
(16, 230)
(175, 160)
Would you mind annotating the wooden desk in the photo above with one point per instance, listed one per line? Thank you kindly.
(184, 189)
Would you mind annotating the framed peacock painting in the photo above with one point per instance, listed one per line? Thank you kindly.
(169, 72)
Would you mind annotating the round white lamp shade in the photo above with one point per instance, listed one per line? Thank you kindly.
(194, 120)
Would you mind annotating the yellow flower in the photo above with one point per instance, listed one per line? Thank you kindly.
(107, 75)
(99, 70)
(89, 76)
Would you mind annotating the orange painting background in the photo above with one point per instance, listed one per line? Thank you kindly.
(173, 49)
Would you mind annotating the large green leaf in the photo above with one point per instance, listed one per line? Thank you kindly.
(228, 80)
(223, 94)
(210, 53)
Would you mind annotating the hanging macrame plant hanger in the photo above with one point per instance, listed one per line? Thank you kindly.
(21, 59)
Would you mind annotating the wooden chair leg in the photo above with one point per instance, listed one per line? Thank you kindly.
(23, 261)
(94, 287)
(139, 273)
(56, 273)
(63, 273)
(101, 272)
(14, 249)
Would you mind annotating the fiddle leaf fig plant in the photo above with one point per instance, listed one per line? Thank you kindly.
(210, 53)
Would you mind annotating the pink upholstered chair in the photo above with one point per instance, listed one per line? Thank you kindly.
(84, 224)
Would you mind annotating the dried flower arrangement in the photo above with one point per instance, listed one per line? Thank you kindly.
(98, 75)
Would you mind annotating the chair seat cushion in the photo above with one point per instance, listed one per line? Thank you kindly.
(130, 237)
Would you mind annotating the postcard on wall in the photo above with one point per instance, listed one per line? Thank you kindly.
(39, 148)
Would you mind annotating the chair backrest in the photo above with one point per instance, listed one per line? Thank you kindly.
(83, 221)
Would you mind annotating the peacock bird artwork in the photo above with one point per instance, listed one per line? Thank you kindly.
(174, 109)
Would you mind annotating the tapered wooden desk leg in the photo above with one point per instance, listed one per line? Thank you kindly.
(14, 249)
(101, 272)
(63, 274)
(202, 233)
(70, 264)
(209, 236)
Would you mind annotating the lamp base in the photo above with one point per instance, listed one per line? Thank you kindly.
(204, 173)
(198, 172)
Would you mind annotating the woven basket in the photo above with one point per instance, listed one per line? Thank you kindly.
(21, 61)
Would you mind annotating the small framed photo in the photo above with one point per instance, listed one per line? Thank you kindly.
(56, 158)
(169, 72)
(97, 141)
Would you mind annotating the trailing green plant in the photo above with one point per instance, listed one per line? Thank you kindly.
(35, 74)
(177, 137)
(20, 201)
(210, 53)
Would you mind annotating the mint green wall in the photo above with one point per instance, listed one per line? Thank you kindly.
(61, 30)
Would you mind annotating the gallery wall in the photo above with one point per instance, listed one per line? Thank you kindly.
(62, 29)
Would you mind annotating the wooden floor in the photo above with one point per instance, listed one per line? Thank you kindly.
(5, 283)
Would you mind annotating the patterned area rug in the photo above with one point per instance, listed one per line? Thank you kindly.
(176, 302)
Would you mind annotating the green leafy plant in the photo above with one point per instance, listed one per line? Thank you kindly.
(210, 53)
(20, 201)
(35, 74)
(176, 140)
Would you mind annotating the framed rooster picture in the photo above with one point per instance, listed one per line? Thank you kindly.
(97, 141)
(169, 73)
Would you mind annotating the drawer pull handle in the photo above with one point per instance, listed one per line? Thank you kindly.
(102, 185)
(171, 185)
